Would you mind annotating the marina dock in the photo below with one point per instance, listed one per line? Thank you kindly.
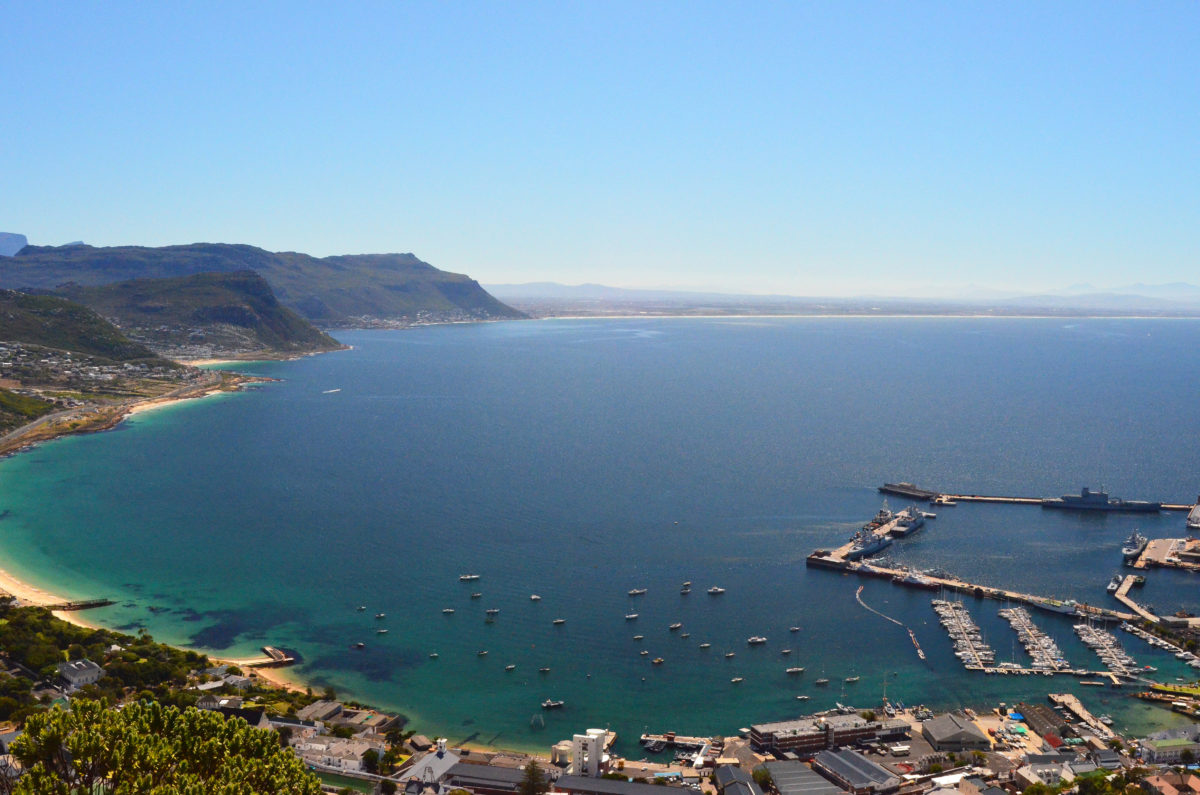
(1076, 708)
(275, 658)
(1122, 596)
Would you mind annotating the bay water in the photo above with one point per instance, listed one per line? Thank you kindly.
(579, 459)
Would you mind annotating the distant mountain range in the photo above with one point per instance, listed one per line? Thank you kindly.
(551, 297)
(340, 291)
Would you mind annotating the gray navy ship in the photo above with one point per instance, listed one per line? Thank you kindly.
(1088, 500)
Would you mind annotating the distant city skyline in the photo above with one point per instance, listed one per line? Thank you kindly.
(798, 149)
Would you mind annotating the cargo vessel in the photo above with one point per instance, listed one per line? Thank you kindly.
(1088, 500)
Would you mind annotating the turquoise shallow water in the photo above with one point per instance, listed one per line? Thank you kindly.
(579, 459)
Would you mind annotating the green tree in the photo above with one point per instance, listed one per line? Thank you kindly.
(1187, 756)
(387, 787)
(370, 760)
(533, 783)
(146, 747)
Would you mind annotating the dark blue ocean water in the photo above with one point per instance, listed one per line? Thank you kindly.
(579, 459)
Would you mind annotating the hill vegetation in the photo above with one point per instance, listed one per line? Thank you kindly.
(55, 322)
(351, 290)
(225, 312)
(147, 747)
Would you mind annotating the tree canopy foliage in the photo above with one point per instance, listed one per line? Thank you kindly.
(146, 747)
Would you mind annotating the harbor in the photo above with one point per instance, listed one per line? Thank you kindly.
(1087, 500)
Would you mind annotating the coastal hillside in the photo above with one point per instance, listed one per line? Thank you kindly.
(203, 315)
(54, 322)
(339, 291)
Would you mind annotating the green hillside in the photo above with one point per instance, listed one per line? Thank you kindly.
(229, 311)
(332, 291)
(54, 322)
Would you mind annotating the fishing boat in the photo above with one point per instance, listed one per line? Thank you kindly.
(728, 655)
(361, 608)
(644, 653)
(785, 651)
(550, 704)
(802, 698)
(638, 637)
(492, 611)
(381, 615)
(685, 591)
(685, 634)
(793, 629)
(359, 645)
(381, 632)
(715, 591)
(637, 592)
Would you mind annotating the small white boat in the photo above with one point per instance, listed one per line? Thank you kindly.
(535, 598)
(631, 616)
(785, 651)
(468, 577)
(637, 592)
(706, 645)
(675, 626)
(433, 655)
(715, 591)
(361, 608)
(381, 615)
(381, 632)
(795, 671)
(492, 611)
(756, 640)
(481, 653)
(793, 629)
(331, 391)
(449, 611)
(802, 698)
(852, 679)
(644, 653)
(638, 637)
(728, 655)
(737, 680)
(558, 622)
(510, 667)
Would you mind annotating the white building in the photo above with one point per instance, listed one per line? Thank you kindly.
(78, 673)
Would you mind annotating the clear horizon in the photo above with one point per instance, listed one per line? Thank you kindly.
(793, 149)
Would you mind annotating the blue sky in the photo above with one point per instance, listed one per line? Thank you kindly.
(804, 148)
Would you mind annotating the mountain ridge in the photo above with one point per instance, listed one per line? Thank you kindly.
(337, 291)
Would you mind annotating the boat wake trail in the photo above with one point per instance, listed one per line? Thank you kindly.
(911, 636)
